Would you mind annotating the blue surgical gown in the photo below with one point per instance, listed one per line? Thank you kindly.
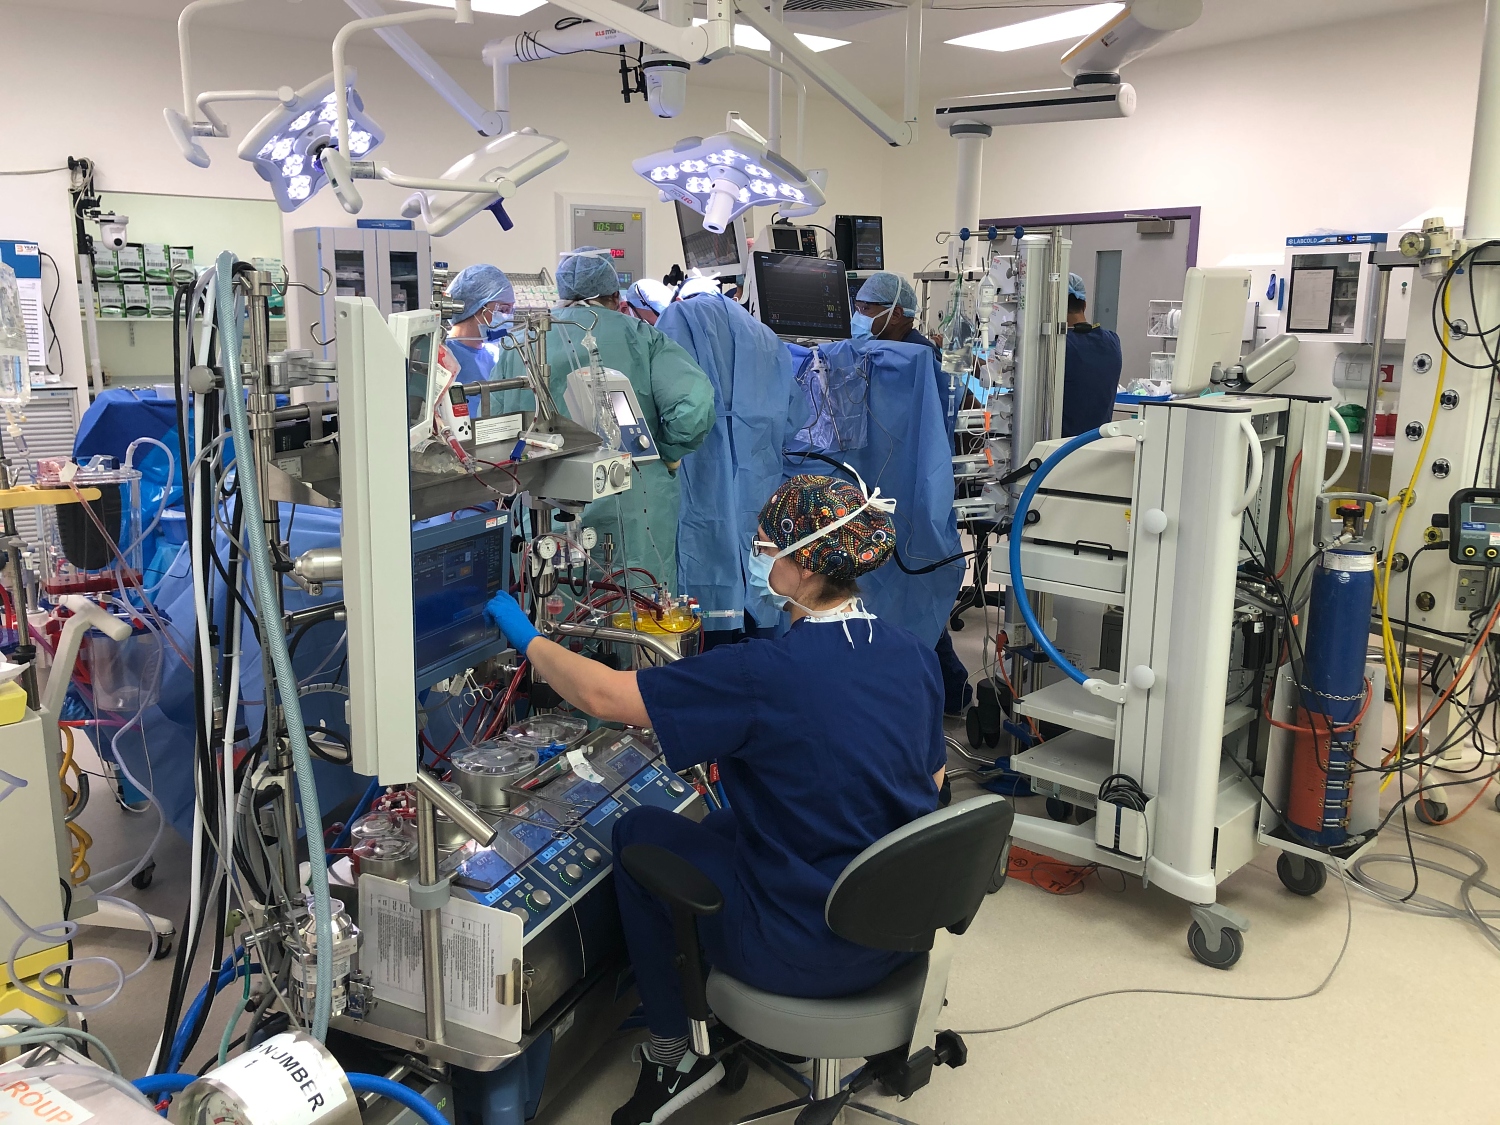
(825, 743)
(876, 408)
(726, 480)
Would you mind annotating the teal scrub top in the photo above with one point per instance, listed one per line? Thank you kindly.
(678, 402)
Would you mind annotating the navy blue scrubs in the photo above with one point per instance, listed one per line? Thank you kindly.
(824, 746)
(1090, 379)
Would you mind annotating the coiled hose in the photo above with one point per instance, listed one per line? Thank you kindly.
(273, 638)
(1017, 527)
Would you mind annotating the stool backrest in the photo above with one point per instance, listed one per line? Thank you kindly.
(932, 874)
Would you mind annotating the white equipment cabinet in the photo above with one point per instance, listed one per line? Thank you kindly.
(393, 268)
(1174, 726)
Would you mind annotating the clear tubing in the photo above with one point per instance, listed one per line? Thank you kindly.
(162, 507)
(273, 639)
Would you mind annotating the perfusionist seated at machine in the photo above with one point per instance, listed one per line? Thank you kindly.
(827, 739)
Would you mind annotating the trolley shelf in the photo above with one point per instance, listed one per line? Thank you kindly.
(1068, 705)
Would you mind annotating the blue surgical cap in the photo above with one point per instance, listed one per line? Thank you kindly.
(1076, 289)
(586, 273)
(886, 288)
(477, 286)
(649, 294)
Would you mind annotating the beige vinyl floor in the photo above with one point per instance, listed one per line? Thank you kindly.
(1407, 1029)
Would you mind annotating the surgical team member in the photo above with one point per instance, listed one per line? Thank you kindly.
(1091, 377)
(886, 307)
(676, 399)
(646, 300)
(758, 405)
(827, 738)
(488, 298)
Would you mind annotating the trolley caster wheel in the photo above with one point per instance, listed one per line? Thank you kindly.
(972, 728)
(736, 1073)
(1231, 947)
(1497, 802)
(1307, 881)
(1431, 812)
(956, 624)
(142, 878)
(163, 947)
(1059, 810)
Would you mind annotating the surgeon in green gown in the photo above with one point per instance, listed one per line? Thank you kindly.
(675, 395)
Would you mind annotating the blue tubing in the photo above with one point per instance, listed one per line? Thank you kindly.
(155, 1085)
(402, 1095)
(1017, 526)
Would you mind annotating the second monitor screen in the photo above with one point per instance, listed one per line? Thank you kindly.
(802, 296)
(702, 249)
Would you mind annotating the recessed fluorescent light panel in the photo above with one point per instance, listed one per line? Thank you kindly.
(491, 7)
(747, 37)
(1049, 29)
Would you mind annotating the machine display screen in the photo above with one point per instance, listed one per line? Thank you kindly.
(483, 870)
(418, 369)
(860, 241)
(609, 228)
(628, 762)
(704, 250)
(536, 833)
(1483, 513)
(619, 402)
(453, 575)
(801, 295)
(576, 791)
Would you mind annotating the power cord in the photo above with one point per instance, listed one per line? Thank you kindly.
(1319, 987)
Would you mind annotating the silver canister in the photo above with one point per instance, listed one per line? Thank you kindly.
(553, 731)
(390, 857)
(484, 772)
(303, 948)
(449, 834)
(288, 1070)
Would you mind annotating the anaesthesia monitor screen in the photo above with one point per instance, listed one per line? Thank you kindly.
(702, 250)
(802, 296)
(860, 241)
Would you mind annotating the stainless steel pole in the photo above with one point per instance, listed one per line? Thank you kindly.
(432, 922)
(1368, 436)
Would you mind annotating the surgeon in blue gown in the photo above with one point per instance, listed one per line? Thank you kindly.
(757, 407)
(488, 299)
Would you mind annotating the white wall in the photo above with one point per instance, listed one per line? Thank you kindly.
(1336, 127)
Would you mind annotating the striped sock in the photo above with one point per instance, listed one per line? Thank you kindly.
(666, 1052)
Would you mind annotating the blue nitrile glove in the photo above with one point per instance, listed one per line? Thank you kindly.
(512, 620)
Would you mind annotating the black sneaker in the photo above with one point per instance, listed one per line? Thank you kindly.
(661, 1091)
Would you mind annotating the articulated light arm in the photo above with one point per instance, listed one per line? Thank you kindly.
(285, 95)
(795, 75)
(709, 41)
(462, 13)
(486, 123)
(890, 130)
(380, 169)
(184, 48)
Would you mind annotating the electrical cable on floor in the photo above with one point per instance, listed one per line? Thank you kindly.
(1426, 904)
(1319, 987)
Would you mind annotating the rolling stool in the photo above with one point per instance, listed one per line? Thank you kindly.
(913, 891)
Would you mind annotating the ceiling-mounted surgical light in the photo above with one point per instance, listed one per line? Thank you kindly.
(282, 145)
(747, 37)
(723, 176)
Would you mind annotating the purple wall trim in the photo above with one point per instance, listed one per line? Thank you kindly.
(1192, 214)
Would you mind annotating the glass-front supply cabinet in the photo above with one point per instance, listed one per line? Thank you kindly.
(1330, 284)
(393, 267)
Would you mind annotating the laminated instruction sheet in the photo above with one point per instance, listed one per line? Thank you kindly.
(480, 946)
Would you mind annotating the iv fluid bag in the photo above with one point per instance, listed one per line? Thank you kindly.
(15, 383)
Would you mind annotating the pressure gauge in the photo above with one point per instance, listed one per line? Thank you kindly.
(546, 546)
(1413, 244)
(601, 478)
(589, 538)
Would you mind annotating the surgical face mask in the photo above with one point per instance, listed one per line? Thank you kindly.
(759, 567)
(496, 326)
(861, 326)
